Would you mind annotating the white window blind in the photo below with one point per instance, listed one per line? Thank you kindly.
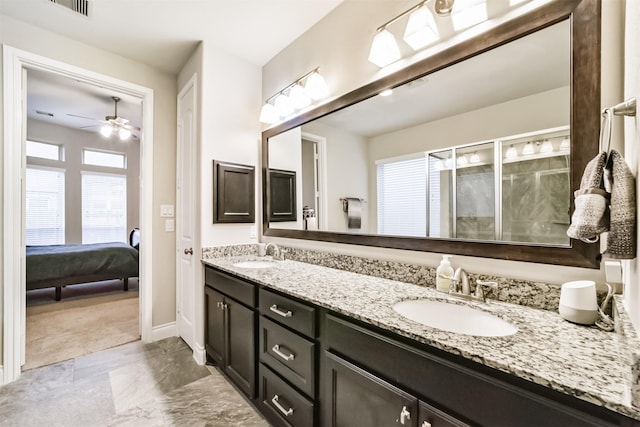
(402, 197)
(44, 206)
(104, 208)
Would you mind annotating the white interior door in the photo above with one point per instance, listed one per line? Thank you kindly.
(186, 262)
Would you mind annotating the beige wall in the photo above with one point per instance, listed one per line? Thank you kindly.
(340, 44)
(32, 39)
(74, 141)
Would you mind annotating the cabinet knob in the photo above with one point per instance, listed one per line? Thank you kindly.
(405, 415)
(276, 403)
(188, 251)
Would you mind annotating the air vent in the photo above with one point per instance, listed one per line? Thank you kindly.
(78, 6)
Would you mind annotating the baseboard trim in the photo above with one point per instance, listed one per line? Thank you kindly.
(164, 331)
(199, 355)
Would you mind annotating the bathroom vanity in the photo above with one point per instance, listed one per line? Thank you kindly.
(329, 350)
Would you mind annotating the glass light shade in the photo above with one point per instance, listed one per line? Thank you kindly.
(124, 134)
(384, 49)
(106, 131)
(299, 98)
(528, 149)
(546, 146)
(475, 158)
(268, 114)
(511, 153)
(565, 144)
(462, 160)
(316, 87)
(283, 105)
(467, 13)
(421, 29)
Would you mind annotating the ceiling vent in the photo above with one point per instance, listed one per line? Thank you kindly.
(78, 6)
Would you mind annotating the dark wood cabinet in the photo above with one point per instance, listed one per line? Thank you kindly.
(233, 192)
(230, 330)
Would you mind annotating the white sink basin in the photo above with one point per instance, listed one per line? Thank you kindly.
(455, 318)
(255, 264)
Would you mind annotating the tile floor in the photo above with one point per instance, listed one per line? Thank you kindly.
(135, 384)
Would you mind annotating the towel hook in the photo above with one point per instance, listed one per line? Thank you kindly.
(625, 108)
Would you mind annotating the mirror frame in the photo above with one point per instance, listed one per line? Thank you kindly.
(585, 19)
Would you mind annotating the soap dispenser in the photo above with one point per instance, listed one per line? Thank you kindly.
(444, 273)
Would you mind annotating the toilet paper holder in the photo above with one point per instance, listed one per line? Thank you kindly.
(345, 202)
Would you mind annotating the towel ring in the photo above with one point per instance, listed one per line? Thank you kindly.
(605, 128)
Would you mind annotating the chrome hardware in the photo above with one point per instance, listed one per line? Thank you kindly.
(221, 305)
(276, 310)
(481, 284)
(460, 278)
(276, 249)
(404, 415)
(285, 412)
(426, 424)
(287, 357)
(188, 251)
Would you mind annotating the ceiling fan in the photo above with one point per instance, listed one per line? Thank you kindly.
(113, 125)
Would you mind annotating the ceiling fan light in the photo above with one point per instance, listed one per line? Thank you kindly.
(384, 49)
(124, 134)
(283, 105)
(421, 29)
(316, 87)
(299, 97)
(106, 131)
(268, 114)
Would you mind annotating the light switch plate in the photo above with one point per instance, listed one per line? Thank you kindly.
(166, 211)
(253, 232)
(169, 225)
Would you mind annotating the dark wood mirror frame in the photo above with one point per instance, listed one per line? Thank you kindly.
(585, 124)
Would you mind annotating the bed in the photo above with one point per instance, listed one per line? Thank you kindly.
(61, 265)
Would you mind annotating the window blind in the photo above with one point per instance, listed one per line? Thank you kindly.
(104, 208)
(44, 206)
(402, 197)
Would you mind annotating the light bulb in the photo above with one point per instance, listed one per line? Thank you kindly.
(384, 49)
(268, 114)
(511, 153)
(528, 149)
(124, 134)
(316, 87)
(106, 130)
(298, 96)
(283, 105)
(421, 29)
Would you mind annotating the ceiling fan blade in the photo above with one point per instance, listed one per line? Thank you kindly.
(90, 126)
(82, 117)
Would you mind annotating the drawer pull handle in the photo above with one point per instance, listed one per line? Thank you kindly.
(287, 357)
(276, 310)
(426, 424)
(404, 415)
(285, 412)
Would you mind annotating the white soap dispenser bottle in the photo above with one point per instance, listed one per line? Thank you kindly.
(444, 273)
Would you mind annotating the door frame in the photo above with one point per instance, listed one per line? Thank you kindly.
(13, 292)
(321, 162)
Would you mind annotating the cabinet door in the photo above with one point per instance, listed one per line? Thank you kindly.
(241, 346)
(215, 328)
(356, 397)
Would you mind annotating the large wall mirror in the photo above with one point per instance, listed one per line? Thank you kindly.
(477, 150)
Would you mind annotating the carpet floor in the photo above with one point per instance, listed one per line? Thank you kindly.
(84, 322)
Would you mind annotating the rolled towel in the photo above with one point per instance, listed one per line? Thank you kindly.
(622, 237)
(590, 217)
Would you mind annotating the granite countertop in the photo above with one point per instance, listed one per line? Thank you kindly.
(584, 362)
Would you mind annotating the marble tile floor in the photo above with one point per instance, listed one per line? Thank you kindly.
(136, 384)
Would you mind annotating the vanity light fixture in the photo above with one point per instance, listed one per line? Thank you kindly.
(467, 13)
(475, 158)
(462, 160)
(384, 49)
(296, 96)
(528, 149)
(565, 144)
(511, 153)
(421, 29)
(546, 147)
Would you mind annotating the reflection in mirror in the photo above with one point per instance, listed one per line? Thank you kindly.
(396, 152)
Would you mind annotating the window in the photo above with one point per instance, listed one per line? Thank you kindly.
(43, 150)
(102, 158)
(402, 197)
(104, 208)
(44, 210)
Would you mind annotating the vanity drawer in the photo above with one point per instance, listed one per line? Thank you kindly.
(280, 403)
(289, 354)
(293, 314)
(237, 289)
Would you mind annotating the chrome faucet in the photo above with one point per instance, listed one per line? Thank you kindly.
(277, 252)
(460, 286)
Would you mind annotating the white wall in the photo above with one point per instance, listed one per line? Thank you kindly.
(340, 44)
(74, 141)
(19, 35)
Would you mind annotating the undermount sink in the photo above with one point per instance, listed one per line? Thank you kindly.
(256, 264)
(456, 318)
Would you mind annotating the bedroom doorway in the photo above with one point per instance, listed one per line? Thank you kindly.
(15, 66)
